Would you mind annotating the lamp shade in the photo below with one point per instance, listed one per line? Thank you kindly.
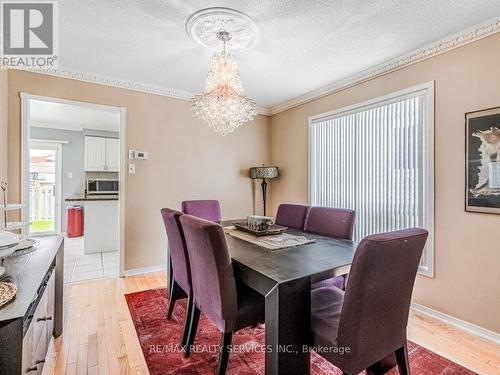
(264, 172)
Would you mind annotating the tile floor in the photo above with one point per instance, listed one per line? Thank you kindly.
(80, 267)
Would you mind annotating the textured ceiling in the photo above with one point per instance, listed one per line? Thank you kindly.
(303, 45)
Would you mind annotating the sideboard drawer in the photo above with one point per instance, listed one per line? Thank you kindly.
(37, 338)
(38, 324)
(34, 348)
(28, 346)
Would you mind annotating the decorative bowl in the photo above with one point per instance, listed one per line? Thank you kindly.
(256, 222)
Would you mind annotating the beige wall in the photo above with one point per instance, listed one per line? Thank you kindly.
(186, 158)
(467, 247)
(3, 124)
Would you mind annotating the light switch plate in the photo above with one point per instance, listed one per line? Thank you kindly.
(131, 168)
(141, 155)
(131, 154)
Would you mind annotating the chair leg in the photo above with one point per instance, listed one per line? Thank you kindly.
(170, 275)
(383, 366)
(224, 353)
(402, 360)
(345, 282)
(375, 369)
(193, 326)
(171, 284)
(175, 293)
(187, 319)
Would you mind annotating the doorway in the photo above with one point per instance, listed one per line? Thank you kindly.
(45, 188)
(64, 194)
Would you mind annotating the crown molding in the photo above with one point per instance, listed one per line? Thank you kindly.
(265, 111)
(114, 82)
(123, 84)
(446, 44)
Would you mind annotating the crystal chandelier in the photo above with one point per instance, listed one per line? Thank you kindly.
(223, 106)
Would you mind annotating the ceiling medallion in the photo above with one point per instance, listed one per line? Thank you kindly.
(223, 106)
(204, 25)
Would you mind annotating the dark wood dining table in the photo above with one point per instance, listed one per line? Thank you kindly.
(283, 277)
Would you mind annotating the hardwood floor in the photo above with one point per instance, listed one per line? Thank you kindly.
(475, 353)
(99, 336)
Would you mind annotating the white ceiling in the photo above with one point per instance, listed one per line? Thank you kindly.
(304, 45)
(64, 116)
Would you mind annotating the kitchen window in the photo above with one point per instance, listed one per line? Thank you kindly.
(377, 158)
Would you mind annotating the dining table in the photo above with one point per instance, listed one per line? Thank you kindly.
(283, 277)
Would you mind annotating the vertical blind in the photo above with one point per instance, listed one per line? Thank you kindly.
(372, 160)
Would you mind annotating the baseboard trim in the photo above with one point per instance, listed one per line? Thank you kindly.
(140, 271)
(458, 323)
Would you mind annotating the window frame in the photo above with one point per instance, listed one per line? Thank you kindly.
(428, 161)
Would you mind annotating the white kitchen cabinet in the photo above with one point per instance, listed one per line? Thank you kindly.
(102, 154)
(95, 154)
(113, 154)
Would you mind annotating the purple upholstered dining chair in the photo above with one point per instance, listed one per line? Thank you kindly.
(231, 306)
(292, 215)
(180, 278)
(330, 222)
(370, 318)
(208, 209)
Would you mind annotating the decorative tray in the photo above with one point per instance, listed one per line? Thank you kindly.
(25, 243)
(275, 229)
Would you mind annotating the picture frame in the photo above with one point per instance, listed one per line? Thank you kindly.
(482, 161)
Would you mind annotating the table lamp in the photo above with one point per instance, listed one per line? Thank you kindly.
(264, 173)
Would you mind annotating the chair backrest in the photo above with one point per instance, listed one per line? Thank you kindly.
(208, 209)
(214, 286)
(292, 215)
(377, 298)
(331, 222)
(177, 247)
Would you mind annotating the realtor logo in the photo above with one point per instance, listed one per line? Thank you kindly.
(30, 34)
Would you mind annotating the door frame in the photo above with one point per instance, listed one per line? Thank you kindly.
(51, 145)
(25, 139)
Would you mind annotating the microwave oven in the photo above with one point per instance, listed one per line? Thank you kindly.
(102, 186)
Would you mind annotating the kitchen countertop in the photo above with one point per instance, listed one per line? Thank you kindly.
(81, 198)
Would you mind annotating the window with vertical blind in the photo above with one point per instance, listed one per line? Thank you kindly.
(377, 158)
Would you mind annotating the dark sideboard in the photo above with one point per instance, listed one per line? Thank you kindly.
(30, 320)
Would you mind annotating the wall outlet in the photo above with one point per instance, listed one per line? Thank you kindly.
(70, 174)
(131, 168)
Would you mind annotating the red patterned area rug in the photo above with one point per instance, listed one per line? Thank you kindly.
(160, 339)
